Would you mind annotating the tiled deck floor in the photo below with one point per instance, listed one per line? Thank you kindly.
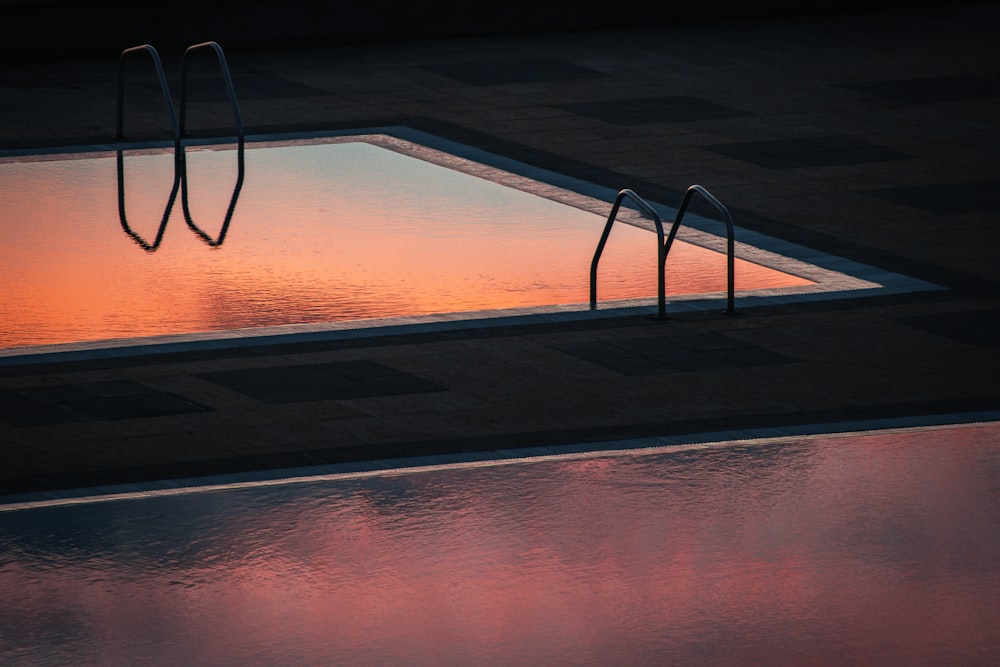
(870, 136)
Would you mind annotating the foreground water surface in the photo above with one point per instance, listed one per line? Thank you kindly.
(871, 548)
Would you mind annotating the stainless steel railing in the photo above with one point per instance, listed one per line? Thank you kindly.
(179, 127)
(158, 65)
(663, 245)
(226, 77)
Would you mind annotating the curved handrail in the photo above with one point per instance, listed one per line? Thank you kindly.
(182, 167)
(143, 243)
(661, 257)
(730, 239)
(226, 78)
(147, 48)
(664, 246)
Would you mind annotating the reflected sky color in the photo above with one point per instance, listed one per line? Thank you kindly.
(320, 233)
(878, 548)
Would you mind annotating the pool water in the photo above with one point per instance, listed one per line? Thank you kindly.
(865, 548)
(93, 247)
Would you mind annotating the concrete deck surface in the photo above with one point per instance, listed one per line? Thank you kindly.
(869, 136)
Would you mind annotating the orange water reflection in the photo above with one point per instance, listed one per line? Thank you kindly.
(318, 233)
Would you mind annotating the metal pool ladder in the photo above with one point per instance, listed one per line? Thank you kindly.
(663, 246)
(178, 127)
(164, 88)
(226, 77)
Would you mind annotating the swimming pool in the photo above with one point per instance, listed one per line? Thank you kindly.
(857, 547)
(107, 248)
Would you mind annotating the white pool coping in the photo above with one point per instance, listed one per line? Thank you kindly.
(492, 458)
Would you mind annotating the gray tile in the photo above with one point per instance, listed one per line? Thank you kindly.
(19, 410)
(598, 351)
(979, 328)
(316, 382)
(925, 90)
(638, 365)
(515, 70)
(674, 109)
(94, 401)
(971, 197)
(821, 151)
(256, 87)
(653, 355)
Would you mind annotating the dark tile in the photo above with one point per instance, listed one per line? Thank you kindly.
(317, 382)
(27, 76)
(364, 368)
(256, 87)
(400, 383)
(676, 109)
(673, 354)
(516, 70)
(973, 197)
(708, 341)
(926, 90)
(94, 401)
(148, 404)
(636, 366)
(692, 362)
(660, 345)
(19, 410)
(807, 152)
(751, 355)
(979, 328)
(597, 351)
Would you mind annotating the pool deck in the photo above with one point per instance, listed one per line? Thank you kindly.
(870, 137)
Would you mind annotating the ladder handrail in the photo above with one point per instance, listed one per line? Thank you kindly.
(227, 78)
(730, 239)
(158, 65)
(664, 246)
(661, 255)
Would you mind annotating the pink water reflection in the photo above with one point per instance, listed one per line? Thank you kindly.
(865, 549)
(318, 233)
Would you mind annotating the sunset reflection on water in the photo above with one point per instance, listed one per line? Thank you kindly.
(317, 233)
(872, 548)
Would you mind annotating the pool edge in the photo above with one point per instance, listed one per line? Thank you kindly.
(491, 457)
(836, 277)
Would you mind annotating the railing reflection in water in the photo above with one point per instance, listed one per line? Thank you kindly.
(180, 183)
(179, 130)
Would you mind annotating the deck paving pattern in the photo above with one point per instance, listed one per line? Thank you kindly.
(870, 136)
